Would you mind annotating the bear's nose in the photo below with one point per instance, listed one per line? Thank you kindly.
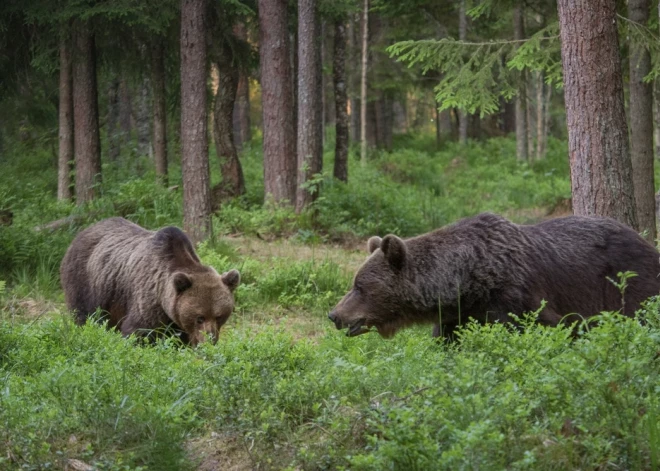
(333, 317)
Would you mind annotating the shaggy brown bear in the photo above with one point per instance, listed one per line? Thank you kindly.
(486, 267)
(145, 280)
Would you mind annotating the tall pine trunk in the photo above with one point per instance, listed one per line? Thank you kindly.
(601, 171)
(232, 183)
(363, 83)
(341, 102)
(87, 145)
(277, 102)
(65, 156)
(641, 125)
(462, 36)
(241, 113)
(159, 109)
(310, 101)
(112, 123)
(194, 138)
(521, 97)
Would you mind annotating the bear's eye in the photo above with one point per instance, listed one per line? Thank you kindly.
(200, 320)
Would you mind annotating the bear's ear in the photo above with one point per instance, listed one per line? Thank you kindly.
(181, 282)
(232, 278)
(394, 250)
(373, 244)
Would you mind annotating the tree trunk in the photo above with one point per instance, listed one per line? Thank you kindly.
(65, 120)
(112, 124)
(310, 101)
(641, 125)
(521, 97)
(341, 102)
(87, 146)
(241, 113)
(383, 110)
(194, 138)
(277, 102)
(363, 84)
(142, 118)
(232, 183)
(462, 36)
(125, 110)
(159, 109)
(353, 76)
(601, 171)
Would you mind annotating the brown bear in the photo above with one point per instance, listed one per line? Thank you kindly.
(486, 267)
(145, 281)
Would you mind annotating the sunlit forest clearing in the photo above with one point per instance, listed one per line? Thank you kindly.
(280, 137)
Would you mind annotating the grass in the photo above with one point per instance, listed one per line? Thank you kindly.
(283, 389)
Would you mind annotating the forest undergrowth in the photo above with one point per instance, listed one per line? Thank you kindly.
(283, 389)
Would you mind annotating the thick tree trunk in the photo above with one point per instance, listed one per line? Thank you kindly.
(310, 101)
(462, 36)
(521, 97)
(142, 118)
(353, 75)
(112, 123)
(341, 102)
(641, 125)
(194, 138)
(601, 171)
(241, 113)
(159, 109)
(66, 155)
(125, 110)
(277, 102)
(87, 146)
(383, 110)
(232, 183)
(363, 84)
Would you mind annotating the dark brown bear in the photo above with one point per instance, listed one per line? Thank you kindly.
(145, 281)
(486, 267)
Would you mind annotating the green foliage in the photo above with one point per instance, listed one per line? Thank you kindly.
(499, 398)
(475, 76)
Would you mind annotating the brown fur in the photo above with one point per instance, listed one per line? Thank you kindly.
(486, 267)
(145, 280)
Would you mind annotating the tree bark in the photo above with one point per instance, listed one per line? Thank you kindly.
(112, 123)
(159, 109)
(341, 102)
(601, 171)
(462, 36)
(142, 118)
(641, 125)
(232, 183)
(310, 101)
(125, 110)
(66, 155)
(277, 102)
(194, 138)
(521, 97)
(241, 113)
(363, 84)
(87, 146)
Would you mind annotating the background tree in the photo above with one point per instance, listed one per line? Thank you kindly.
(363, 83)
(158, 81)
(310, 108)
(66, 155)
(194, 138)
(601, 171)
(277, 102)
(340, 171)
(641, 124)
(87, 144)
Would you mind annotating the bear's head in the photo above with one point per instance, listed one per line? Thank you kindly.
(200, 302)
(381, 295)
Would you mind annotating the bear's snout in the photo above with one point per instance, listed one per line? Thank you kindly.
(333, 317)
